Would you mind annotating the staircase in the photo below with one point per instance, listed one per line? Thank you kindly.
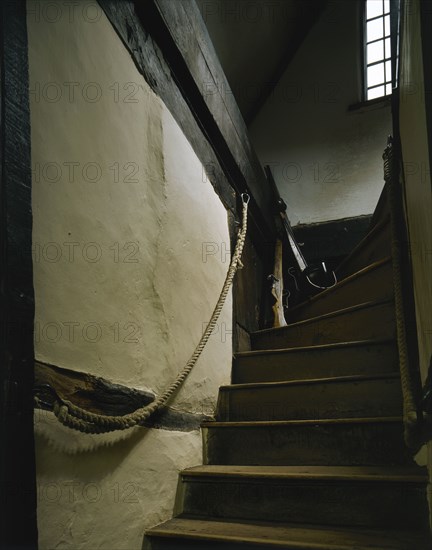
(307, 450)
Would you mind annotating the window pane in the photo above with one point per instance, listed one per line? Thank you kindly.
(373, 8)
(387, 25)
(375, 74)
(375, 51)
(377, 62)
(387, 47)
(376, 92)
(374, 29)
(388, 71)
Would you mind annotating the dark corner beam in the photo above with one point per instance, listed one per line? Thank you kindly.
(302, 31)
(171, 48)
(18, 526)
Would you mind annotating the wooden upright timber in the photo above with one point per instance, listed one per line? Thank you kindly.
(18, 527)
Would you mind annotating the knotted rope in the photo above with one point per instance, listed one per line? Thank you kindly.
(410, 418)
(80, 419)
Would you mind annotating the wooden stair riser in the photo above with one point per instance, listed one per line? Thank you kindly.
(349, 444)
(364, 323)
(172, 543)
(315, 363)
(373, 285)
(202, 534)
(334, 399)
(370, 250)
(395, 505)
(184, 543)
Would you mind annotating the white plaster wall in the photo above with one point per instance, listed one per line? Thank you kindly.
(326, 161)
(106, 499)
(113, 173)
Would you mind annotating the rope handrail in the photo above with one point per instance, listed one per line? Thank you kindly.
(410, 413)
(80, 419)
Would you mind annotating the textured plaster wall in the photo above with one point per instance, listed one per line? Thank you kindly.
(326, 160)
(122, 212)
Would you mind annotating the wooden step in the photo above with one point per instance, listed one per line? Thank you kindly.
(340, 359)
(372, 283)
(339, 442)
(202, 534)
(374, 246)
(380, 497)
(338, 397)
(368, 321)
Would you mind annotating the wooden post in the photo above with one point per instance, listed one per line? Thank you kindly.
(18, 527)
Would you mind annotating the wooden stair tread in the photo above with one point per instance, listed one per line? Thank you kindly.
(317, 347)
(333, 379)
(343, 311)
(343, 282)
(300, 459)
(289, 536)
(312, 473)
(291, 423)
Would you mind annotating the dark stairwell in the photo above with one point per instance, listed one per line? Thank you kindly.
(307, 450)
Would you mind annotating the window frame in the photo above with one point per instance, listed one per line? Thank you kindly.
(388, 79)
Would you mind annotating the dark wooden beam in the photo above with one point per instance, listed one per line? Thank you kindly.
(18, 527)
(149, 61)
(170, 46)
(101, 396)
(179, 28)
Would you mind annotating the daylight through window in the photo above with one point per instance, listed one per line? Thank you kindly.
(378, 72)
